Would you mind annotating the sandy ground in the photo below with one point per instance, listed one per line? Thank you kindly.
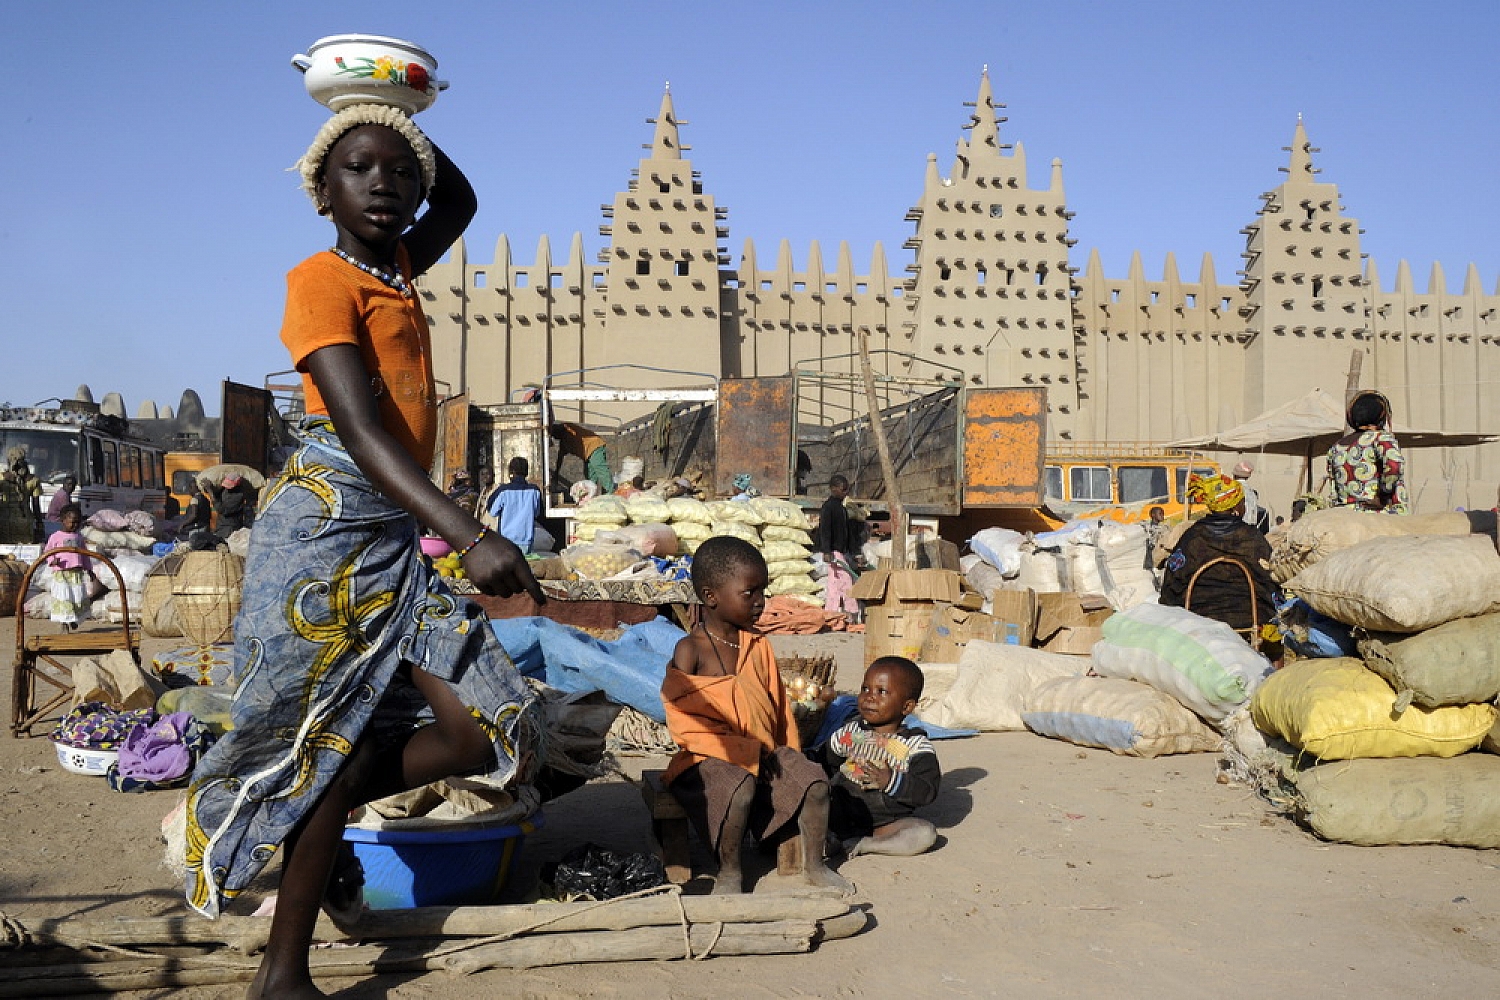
(1061, 872)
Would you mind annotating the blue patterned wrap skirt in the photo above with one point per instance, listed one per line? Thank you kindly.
(336, 597)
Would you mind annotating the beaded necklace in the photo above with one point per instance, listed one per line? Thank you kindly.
(387, 278)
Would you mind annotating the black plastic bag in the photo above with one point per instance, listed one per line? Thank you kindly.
(596, 872)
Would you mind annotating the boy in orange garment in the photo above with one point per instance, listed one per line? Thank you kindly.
(740, 767)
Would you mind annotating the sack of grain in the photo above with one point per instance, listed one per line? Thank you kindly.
(607, 509)
(1404, 584)
(782, 533)
(793, 584)
(688, 509)
(1041, 571)
(736, 529)
(693, 531)
(1416, 801)
(1456, 663)
(780, 512)
(776, 551)
(1121, 716)
(643, 508)
(1336, 709)
(1202, 663)
(1320, 533)
(991, 684)
(735, 510)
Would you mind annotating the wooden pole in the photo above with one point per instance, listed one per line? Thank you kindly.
(887, 467)
(1351, 382)
(637, 944)
(248, 934)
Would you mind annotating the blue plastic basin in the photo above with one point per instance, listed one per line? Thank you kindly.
(407, 868)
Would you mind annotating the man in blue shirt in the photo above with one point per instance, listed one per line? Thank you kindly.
(517, 505)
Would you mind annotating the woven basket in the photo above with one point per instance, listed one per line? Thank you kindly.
(820, 670)
(12, 572)
(206, 591)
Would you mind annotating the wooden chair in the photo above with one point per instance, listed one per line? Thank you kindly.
(34, 650)
(1253, 636)
(669, 827)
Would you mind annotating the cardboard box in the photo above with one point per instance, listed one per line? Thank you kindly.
(1070, 623)
(1018, 608)
(953, 628)
(904, 587)
(929, 553)
(897, 631)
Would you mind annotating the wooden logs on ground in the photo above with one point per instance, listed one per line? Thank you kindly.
(111, 955)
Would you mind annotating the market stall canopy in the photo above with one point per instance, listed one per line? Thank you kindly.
(1314, 422)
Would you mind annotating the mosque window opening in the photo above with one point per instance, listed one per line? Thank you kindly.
(799, 286)
(980, 275)
(681, 269)
(697, 187)
(555, 279)
(643, 265)
(831, 287)
(861, 287)
(665, 187)
(479, 279)
(523, 279)
(1192, 301)
(945, 274)
(765, 285)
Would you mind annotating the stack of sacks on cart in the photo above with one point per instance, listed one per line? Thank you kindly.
(1380, 744)
(613, 535)
(128, 539)
(1085, 556)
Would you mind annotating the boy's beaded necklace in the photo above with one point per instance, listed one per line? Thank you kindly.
(387, 278)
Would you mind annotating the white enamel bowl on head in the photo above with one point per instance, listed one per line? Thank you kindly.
(342, 70)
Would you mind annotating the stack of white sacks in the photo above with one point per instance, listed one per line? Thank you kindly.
(1383, 741)
(1087, 556)
(625, 530)
(1162, 680)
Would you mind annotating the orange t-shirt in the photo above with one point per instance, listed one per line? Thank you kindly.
(330, 301)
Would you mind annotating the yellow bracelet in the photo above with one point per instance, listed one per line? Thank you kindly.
(477, 539)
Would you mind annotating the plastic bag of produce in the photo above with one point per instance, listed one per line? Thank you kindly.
(647, 539)
(782, 533)
(1202, 663)
(788, 567)
(596, 561)
(793, 584)
(1456, 663)
(1421, 800)
(1121, 716)
(1337, 709)
(695, 531)
(1404, 584)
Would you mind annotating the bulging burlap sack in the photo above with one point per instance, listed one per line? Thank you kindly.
(1320, 533)
(1404, 584)
(1456, 663)
(1121, 716)
(1420, 800)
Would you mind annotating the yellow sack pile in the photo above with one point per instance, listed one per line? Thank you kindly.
(1337, 709)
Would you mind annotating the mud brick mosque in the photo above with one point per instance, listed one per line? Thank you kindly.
(987, 290)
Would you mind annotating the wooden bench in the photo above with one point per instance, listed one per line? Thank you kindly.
(669, 825)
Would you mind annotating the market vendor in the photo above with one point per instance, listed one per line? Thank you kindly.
(234, 503)
(1220, 592)
(576, 439)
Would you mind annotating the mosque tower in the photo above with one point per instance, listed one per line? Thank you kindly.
(1304, 294)
(662, 264)
(991, 291)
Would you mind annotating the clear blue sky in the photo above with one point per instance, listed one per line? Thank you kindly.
(152, 219)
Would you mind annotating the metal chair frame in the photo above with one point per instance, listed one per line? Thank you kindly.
(1253, 631)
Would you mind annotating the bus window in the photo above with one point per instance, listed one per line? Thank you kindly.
(130, 465)
(111, 464)
(1090, 483)
(185, 482)
(1139, 483)
(1054, 482)
(95, 468)
(1182, 475)
(159, 464)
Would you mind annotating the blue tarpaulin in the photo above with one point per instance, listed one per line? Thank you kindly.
(628, 670)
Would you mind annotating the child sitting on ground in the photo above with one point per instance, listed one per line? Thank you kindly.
(882, 770)
(740, 767)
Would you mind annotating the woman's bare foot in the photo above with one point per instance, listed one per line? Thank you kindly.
(729, 882)
(262, 986)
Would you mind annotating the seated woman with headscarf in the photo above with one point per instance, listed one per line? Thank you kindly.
(1365, 467)
(1220, 592)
